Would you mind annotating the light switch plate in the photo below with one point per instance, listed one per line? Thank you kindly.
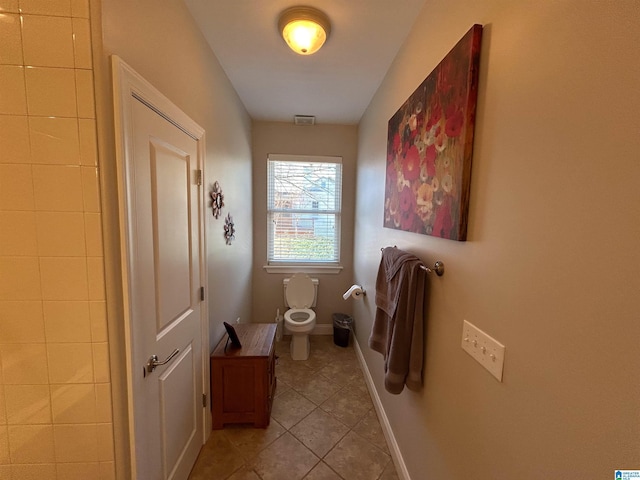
(487, 351)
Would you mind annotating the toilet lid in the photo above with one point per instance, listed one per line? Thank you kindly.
(300, 291)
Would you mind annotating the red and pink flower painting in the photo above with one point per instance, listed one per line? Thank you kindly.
(430, 145)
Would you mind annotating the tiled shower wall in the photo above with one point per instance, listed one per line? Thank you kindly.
(55, 402)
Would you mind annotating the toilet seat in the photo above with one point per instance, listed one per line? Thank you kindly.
(299, 317)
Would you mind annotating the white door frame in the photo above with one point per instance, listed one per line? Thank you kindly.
(130, 87)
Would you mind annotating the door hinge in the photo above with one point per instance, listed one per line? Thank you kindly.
(198, 177)
(204, 400)
(202, 294)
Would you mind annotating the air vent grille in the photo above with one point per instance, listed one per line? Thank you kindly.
(304, 120)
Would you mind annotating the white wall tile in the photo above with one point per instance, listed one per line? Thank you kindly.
(78, 471)
(16, 187)
(14, 139)
(82, 43)
(31, 443)
(9, 6)
(50, 222)
(80, 8)
(103, 403)
(47, 7)
(54, 140)
(73, 403)
(57, 188)
(95, 272)
(64, 278)
(93, 234)
(34, 472)
(98, 312)
(28, 404)
(21, 322)
(88, 142)
(18, 233)
(20, 278)
(10, 41)
(85, 95)
(22, 364)
(51, 91)
(105, 442)
(101, 362)
(3, 414)
(107, 471)
(47, 41)
(61, 234)
(76, 443)
(70, 362)
(12, 80)
(66, 321)
(90, 189)
(4, 445)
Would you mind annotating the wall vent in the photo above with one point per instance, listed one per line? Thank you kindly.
(304, 120)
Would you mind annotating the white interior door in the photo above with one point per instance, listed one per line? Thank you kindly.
(163, 221)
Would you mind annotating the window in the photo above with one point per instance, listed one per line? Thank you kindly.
(303, 210)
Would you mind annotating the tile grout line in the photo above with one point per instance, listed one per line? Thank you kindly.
(344, 384)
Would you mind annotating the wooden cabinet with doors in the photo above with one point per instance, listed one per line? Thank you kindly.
(243, 380)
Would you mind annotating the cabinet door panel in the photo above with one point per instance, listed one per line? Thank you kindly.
(238, 387)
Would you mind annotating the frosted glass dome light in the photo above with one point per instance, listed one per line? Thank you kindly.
(305, 29)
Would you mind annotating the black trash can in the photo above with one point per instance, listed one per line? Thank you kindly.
(341, 326)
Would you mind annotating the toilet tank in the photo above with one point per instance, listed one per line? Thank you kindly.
(285, 282)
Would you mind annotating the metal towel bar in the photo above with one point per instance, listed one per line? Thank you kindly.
(438, 267)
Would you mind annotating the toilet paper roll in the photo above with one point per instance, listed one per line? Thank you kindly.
(356, 291)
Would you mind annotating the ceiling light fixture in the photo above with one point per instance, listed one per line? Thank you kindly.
(305, 29)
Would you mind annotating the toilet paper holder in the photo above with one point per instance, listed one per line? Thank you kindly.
(355, 291)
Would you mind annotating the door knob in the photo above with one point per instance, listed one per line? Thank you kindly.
(153, 361)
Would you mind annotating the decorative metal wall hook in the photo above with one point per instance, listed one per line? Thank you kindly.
(229, 229)
(217, 199)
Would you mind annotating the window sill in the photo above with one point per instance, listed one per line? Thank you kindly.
(328, 269)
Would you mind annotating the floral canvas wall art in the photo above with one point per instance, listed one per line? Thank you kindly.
(429, 148)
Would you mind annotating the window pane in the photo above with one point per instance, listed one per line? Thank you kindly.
(303, 202)
(304, 237)
(304, 186)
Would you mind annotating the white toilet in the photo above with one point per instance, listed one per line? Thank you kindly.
(300, 293)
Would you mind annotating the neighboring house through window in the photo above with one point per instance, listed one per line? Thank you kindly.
(304, 196)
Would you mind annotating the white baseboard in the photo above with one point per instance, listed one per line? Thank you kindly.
(323, 329)
(401, 468)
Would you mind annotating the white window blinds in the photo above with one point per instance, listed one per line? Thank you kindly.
(303, 209)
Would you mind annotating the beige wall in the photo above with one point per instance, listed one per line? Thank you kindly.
(164, 45)
(55, 401)
(336, 140)
(551, 267)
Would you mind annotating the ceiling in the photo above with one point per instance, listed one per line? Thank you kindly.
(335, 84)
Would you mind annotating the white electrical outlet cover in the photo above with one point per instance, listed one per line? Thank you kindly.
(487, 351)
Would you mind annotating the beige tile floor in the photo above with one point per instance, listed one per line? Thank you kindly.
(323, 426)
